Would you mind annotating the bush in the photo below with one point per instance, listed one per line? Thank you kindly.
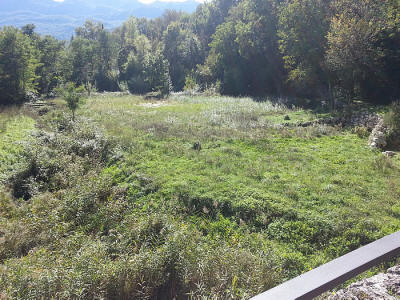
(53, 160)
(26, 225)
(392, 122)
(392, 117)
(190, 84)
(145, 257)
(361, 131)
(72, 95)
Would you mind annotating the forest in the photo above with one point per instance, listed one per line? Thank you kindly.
(327, 51)
(203, 156)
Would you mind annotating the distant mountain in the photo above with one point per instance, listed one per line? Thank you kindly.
(60, 18)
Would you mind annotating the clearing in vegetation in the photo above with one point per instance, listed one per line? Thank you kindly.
(193, 198)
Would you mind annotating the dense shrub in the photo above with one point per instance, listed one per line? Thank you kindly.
(392, 121)
(52, 159)
(183, 264)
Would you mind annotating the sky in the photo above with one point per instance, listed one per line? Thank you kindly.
(151, 1)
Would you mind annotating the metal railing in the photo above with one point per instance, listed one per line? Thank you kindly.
(330, 275)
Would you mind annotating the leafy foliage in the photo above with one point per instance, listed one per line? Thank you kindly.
(182, 49)
(327, 51)
(18, 63)
(72, 95)
(392, 121)
(360, 43)
(303, 26)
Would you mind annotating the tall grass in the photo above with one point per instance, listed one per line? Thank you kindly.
(14, 127)
(188, 198)
(194, 117)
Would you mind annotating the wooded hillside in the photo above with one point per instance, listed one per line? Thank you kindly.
(309, 49)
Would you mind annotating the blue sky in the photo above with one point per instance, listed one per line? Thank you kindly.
(152, 1)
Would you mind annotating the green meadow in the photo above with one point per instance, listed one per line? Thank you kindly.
(192, 197)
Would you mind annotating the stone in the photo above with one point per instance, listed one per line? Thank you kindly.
(377, 139)
(196, 146)
(389, 153)
(381, 286)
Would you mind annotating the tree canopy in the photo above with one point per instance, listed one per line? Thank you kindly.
(319, 49)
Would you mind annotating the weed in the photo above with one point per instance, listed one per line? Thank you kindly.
(196, 198)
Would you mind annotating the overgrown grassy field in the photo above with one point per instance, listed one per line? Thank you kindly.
(14, 129)
(189, 198)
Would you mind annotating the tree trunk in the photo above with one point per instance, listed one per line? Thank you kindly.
(331, 96)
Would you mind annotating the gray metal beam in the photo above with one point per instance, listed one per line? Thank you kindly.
(330, 275)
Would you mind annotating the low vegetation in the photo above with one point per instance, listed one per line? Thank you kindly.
(14, 128)
(194, 195)
(189, 198)
(392, 122)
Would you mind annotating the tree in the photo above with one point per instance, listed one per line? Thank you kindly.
(106, 70)
(72, 95)
(51, 56)
(146, 70)
(126, 35)
(303, 27)
(225, 62)
(256, 23)
(18, 64)
(182, 49)
(28, 29)
(81, 62)
(92, 57)
(205, 20)
(244, 52)
(318, 49)
(362, 49)
(134, 69)
(157, 73)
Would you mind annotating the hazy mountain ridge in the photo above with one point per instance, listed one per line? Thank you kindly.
(60, 18)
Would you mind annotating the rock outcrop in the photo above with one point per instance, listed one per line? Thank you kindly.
(382, 286)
